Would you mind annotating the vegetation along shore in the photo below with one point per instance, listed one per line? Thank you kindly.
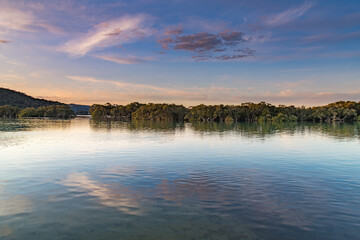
(246, 112)
(15, 104)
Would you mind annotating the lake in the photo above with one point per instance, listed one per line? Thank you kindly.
(81, 179)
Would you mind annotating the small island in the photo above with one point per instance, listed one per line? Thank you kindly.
(341, 111)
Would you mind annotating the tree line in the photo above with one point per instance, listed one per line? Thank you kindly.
(139, 111)
(54, 111)
(342, 111)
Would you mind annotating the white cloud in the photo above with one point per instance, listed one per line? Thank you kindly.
(288, 15)
(107, 34)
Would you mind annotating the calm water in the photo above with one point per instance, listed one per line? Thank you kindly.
(81, 179)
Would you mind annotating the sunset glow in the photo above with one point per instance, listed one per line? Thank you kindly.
(184, 52)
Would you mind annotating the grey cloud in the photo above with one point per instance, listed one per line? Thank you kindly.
(203, 45)
(246, 51)
(115, 32)
(231, 57)
(232, 38)
(200, 42)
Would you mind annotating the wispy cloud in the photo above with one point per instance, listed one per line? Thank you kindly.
(124, 85)
(124, 30)
(288, 15)
(4, 41)
(11, 77)
(146, 92)
(335, 37)
(13, 19)
(124, 60)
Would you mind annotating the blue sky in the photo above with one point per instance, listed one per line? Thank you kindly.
(189, 52)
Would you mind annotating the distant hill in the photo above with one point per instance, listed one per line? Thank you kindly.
(80, 109)
(21, 100)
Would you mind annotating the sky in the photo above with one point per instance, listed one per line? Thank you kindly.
(182, 51)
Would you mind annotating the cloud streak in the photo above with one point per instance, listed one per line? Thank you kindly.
(146, 92)
(124, 30)
(288, 15)
(123, 60)
(126, 86)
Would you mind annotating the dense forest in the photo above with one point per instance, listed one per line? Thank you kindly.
(138, 111)
(246, 112)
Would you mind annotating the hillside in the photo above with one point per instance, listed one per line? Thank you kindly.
(80, 109)
(21, 100)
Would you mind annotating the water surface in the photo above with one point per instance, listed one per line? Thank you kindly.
(80, 179)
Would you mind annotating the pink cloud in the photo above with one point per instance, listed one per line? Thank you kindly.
(124, 30)
(124, 60)
(14, 19)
